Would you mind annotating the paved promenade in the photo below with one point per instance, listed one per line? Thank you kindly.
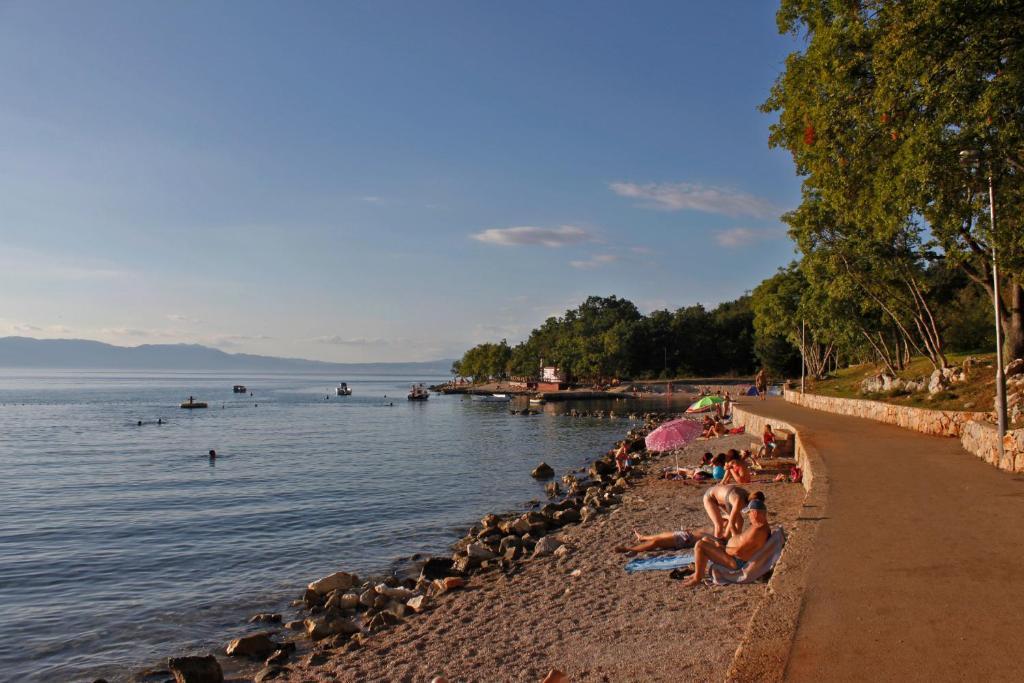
(917, 573)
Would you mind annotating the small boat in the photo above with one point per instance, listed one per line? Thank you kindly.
(191, 404)
(418, 393)
(343, 390)
(537, 400)
(239, 389)
(492, 397)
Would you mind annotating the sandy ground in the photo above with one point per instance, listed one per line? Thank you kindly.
(602, 625)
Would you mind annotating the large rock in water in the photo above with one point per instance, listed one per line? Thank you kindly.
(195, 669)
(602, 467)
(542, 471)
(332, 582)
(256, 645)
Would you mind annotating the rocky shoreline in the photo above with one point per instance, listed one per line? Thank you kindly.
(344, 611)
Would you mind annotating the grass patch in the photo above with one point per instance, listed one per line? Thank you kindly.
(976, 393)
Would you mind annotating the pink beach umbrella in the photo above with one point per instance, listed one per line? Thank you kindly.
(673, 435)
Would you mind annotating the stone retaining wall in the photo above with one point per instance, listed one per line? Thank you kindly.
(764, 649)
(976, 433)
(934, 422)
(982, 439)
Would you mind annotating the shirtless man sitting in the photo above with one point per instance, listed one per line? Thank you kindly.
(740, 548)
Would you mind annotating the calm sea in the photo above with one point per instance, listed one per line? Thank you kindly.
(122, 544)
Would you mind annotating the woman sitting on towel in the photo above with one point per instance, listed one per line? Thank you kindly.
(736, 469)
(730, 499)
(740, 548)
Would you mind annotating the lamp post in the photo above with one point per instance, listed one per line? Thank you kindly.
(971, 158)
(803, 357)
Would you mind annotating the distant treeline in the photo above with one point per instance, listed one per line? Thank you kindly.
(608, 337)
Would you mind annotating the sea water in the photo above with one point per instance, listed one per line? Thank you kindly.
(122, 544)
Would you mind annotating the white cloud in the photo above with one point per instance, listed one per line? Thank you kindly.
(741, 237)
(529, 235)
(181, 318)
(595, 261)
(128, 332)
(697, 197)
(338, 340)
(641, 250)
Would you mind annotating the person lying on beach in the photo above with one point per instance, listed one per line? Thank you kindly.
(736, 469)
(737, 552)
(668, 540)
(702, 472)
(728, 498)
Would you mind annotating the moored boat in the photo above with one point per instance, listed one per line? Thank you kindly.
(191, 404)
(239, 389)
(418, 393)
(343, 390)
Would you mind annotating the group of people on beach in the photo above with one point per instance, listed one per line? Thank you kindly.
(739, 518)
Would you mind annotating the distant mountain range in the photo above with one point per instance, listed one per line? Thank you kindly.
(26, 352)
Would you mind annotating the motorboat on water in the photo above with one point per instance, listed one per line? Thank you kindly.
(492, 397)
(191, 404)
(537, 400)
(239, 389)
(343, 390)
(418, 392)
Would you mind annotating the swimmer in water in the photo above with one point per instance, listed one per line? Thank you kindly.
(213, 454)
(140, 423)
(159, 420)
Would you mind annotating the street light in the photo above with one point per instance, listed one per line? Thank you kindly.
(971, 158)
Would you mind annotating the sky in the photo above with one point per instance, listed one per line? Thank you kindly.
(379, 181)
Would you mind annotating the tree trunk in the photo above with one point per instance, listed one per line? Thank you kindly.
(1013, 324)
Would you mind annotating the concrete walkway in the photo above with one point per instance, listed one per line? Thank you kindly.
(917, 572)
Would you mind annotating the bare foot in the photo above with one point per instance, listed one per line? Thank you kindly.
(555, 676)
(692, 582)
(623, 549)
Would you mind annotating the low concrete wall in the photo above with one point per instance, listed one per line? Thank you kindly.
(764, 650)
(977, 435)
(934, 422)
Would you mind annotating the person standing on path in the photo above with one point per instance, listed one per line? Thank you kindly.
(761, 384)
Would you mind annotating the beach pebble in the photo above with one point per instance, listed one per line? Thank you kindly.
(418, 604)
(332, 582)
(479, 551)
(368, 597)
(546, 546)
(270, 673)
(402, 594)
(321, 627)
(569, 516)
(204, 669)
(254, 645)
(279, 657)
(296, 625)
(562, 551)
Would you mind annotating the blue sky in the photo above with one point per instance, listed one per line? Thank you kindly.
(379, 180)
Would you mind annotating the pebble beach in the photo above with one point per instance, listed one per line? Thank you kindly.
(565, 603)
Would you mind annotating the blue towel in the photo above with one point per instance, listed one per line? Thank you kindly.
(662, 563)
